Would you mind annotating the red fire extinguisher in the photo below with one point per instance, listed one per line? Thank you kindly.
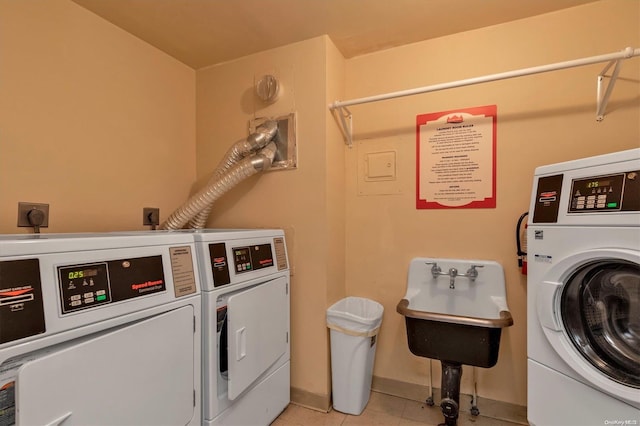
(521, 243)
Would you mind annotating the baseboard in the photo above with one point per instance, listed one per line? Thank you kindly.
(488, 407)
(311, 400)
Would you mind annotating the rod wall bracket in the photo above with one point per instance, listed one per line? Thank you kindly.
(346, 123)
(602, 99)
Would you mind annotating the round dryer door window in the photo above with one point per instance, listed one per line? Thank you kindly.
(600, 308)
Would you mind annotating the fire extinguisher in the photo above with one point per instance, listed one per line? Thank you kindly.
(521, 243)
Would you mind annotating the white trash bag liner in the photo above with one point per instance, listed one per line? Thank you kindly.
(354, 323)
(355, 316)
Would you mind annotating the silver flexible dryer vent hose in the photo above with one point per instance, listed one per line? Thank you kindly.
(254, 142)
(209, 194)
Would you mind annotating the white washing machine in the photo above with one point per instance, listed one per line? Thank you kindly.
(99, 329)
(583, 292)
(246, 358)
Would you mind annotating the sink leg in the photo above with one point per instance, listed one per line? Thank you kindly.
(450, 394)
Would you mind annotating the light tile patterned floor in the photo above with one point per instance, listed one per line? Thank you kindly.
(382, 410)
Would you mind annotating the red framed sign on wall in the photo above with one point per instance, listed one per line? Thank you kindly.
(456, 159)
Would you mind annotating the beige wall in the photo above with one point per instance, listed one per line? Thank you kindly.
(336, 175)
(541, 119)
(93, 121)
(308, 202)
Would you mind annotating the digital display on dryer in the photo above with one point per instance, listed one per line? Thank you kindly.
(83, 286)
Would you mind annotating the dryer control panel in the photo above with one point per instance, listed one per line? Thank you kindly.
(53, 283)
(251, 258)
(89, 285)
(231, 261)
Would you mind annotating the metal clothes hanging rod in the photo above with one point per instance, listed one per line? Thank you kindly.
(602, 99)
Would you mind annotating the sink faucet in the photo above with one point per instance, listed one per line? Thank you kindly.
(472, 273)
(453, 273)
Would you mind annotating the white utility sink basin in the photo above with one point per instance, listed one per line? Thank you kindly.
(455, 310)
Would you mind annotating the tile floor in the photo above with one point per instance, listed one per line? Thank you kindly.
(384, 410)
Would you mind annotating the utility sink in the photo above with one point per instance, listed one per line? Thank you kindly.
(455, 310)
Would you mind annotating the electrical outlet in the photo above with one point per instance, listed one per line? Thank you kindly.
(150, 216)
(27, 212)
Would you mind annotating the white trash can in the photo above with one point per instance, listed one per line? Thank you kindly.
(354, 324)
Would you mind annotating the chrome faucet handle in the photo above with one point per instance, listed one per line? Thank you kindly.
(472, 272)
(435, 269)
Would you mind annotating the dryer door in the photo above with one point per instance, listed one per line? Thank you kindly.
(140, 374)
(257, 324)
(589, 307)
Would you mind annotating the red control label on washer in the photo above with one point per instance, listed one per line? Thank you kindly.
(21, 308)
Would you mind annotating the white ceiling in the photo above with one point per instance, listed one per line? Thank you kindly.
(206, 32)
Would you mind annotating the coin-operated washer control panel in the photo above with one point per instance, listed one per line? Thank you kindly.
(617, 192)
(595, 196)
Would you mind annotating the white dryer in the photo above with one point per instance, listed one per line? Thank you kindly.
(99, 329)
(583, 292)
(246, 358)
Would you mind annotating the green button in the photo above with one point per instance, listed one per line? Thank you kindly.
(101, 298)
(612, 205)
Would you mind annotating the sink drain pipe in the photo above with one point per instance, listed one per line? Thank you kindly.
(450, 393)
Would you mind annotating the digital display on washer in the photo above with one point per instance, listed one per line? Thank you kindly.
(251, 258)
(89, 285)
(597, 194)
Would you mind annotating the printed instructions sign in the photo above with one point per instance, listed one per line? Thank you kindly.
(456, 159)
